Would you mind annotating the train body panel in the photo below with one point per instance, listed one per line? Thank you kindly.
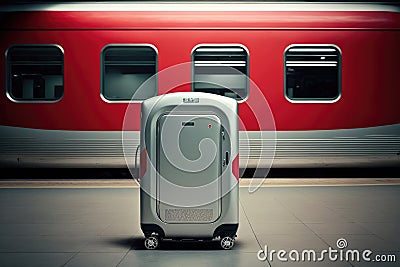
(81, 129)
(362, 147)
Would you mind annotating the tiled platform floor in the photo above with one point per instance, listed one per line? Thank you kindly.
(100, 227)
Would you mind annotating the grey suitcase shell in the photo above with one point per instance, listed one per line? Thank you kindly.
(189, 168)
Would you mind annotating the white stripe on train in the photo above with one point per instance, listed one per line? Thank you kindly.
(373, 146)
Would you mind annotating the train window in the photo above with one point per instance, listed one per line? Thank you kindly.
(312, 73)
(221, 70)
(125, 68)
(35, 73)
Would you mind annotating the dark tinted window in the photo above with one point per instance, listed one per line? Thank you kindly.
(221, 70)
(35, 72)
(125, 68)
(312, 72)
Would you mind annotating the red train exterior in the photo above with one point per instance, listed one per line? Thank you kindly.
(362, 127)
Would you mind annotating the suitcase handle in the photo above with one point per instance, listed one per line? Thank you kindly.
(136, 172)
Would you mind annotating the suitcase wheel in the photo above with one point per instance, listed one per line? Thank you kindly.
(151, 242)
(227, 242)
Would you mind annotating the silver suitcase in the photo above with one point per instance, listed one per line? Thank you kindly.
(189, 168)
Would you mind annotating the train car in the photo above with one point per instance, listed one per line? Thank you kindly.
(328, 71)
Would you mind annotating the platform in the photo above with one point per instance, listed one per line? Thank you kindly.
(89, 224)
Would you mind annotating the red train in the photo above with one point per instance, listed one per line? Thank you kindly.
(329, 72)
